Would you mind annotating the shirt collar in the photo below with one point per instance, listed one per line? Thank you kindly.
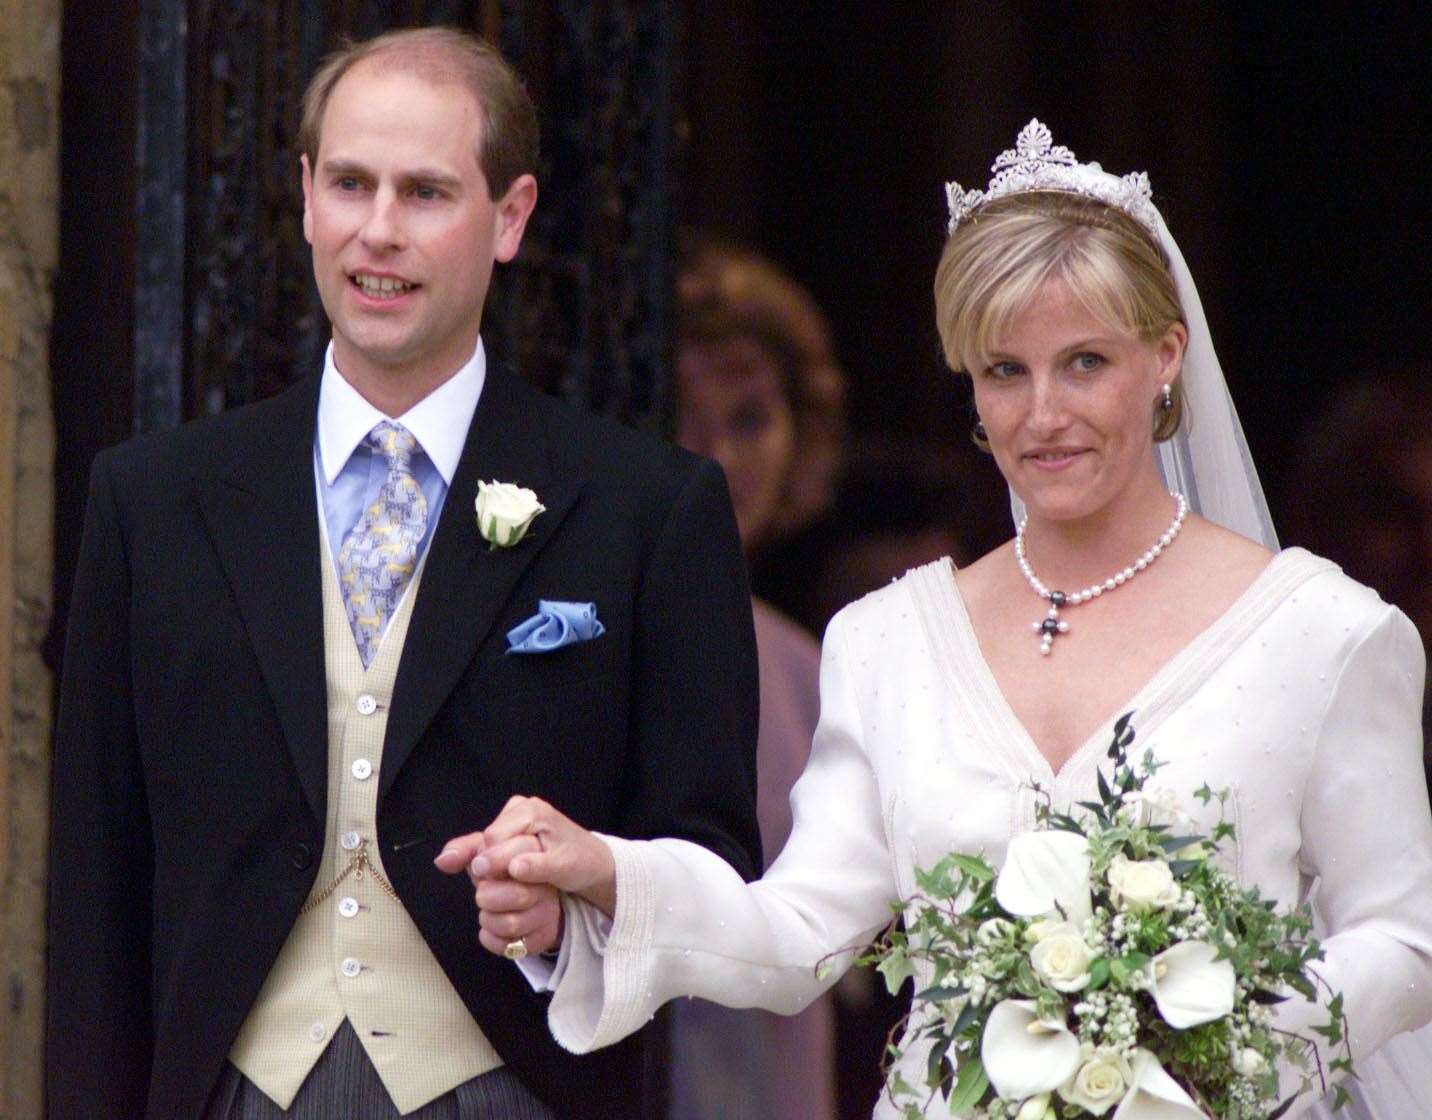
(439, 421)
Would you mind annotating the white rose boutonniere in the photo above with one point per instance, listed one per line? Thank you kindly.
(1143, 884)
(505, 511)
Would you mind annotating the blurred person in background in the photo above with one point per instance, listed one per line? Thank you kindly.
(903, 500)
(1375, 521)
(758, 390)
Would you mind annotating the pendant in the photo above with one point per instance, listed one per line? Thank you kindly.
(1051, 624)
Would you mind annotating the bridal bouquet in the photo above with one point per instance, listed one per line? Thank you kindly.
(1108, 965)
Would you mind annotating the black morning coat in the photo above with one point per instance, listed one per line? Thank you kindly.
(191, 751)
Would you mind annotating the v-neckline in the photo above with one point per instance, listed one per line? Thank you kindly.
(1178, 677)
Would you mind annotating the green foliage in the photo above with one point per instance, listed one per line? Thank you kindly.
(970, 1087)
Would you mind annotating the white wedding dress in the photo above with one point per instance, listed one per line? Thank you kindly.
(1304, 698)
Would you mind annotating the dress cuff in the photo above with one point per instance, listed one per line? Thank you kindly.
(599, 996)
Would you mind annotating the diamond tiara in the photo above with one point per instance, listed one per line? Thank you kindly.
(1036, 163)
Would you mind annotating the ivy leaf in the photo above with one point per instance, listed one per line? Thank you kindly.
(1302, 985)
(896, 968)
(1098, 973)
(969, 1087)
(973, 866)
(1128, 965)
(936, 881)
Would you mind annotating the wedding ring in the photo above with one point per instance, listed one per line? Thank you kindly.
(515, 950)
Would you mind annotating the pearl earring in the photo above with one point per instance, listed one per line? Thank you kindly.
(1166, 401)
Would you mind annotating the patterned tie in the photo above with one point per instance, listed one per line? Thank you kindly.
(380, 552)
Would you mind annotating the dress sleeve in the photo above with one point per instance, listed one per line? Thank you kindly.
(686, 924)
(1367, 835)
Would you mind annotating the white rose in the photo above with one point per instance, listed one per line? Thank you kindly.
(1036, 1108)
(1163, 807)
(1100, 1082)
(1062, 959)
(1249, 1062)
(504, 512)
(1158, 807)
(1142, 884)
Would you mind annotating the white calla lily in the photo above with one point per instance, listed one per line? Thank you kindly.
(1042, 869)
(1154, 1095)
(1023, 1054)
(1191, 985)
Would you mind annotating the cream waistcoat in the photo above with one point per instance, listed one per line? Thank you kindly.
(354, 952)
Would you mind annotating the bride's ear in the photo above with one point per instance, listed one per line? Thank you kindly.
(1170, 352)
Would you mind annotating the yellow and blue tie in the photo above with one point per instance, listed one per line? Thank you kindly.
(379, 553)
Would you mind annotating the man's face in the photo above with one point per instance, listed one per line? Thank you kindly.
(403, 231)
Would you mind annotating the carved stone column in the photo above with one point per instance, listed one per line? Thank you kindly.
(29, 171)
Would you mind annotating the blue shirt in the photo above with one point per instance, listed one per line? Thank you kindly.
(349, 473)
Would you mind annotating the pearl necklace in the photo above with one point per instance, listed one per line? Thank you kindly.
(1052, 624)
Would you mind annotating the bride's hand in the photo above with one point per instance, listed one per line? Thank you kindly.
(568, 857)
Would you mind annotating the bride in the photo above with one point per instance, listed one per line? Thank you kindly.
(1143, 577)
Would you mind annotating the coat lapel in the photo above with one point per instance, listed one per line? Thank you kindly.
(466, 584)
(262, 513)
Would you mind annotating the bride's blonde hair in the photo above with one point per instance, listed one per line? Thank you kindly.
(997, 260)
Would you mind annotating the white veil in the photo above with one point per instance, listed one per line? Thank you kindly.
(1207, 460)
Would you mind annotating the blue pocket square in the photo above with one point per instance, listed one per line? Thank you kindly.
(555, 625)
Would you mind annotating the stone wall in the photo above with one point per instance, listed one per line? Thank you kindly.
(29, 171)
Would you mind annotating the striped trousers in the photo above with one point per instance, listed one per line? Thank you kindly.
(345, 1086)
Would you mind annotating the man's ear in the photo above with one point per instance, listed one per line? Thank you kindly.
(513, 210)
(307, 199)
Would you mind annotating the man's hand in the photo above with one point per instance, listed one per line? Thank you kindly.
(507, 910)
(532, 843)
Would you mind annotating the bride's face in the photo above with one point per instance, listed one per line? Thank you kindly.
(1068, 405)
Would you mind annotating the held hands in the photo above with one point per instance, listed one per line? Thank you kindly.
(519, 863)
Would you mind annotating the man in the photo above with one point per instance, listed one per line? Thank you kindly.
(296, 667)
